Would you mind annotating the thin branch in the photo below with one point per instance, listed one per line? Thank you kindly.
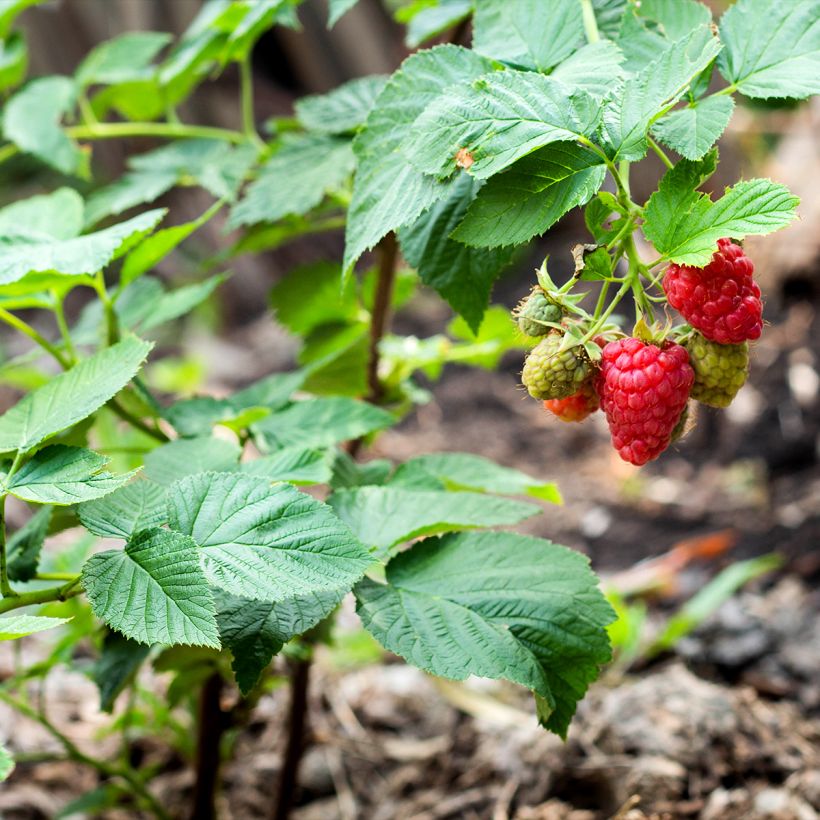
(388, 257)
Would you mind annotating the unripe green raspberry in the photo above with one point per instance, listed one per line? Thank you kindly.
(720, 370)
(551, 373)
(536, 309)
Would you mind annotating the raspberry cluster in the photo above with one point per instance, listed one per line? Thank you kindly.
(643, 385)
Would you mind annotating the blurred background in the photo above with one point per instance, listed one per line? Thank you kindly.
(715, 716)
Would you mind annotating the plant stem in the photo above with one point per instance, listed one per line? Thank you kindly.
(660, 152)
(246, 92)
(112, 322)
(57, 576)
(62, 325)
(590, 23)
(41, 596)
(28, 330)
(388, 257)
(288, 777)
(211, 723)
(78, 756)
(5, 588)
(137, 423)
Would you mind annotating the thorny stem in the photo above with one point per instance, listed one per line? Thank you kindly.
(75, 754)
(211, 724)
(388, 257)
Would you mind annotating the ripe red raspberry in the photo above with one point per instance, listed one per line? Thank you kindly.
(576, 407)
(644, 389)
(722, 300)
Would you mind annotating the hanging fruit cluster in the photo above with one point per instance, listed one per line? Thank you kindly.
(644, 382)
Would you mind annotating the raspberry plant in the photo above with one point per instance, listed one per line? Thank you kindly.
(217, 561)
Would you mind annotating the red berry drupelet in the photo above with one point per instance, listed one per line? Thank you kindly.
(575, 407)
(722, 300)
(644, 390)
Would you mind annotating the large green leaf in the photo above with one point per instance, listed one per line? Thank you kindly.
(525, 34)
(684, 224)
(463, 275)
(24, 546)
(321, 423)
(531, 196)
(131, 189)
(342, 110)
(255, 631)
(296, 465)
(383, 517)
(188, 456)
(58, 215)
(388, 191)
(431, 21)
(693, 130)
(139, 505)
(123, 59)
(31, 120)
(63, 475)
(71, 396)
(496, 605)
(268, 543)
(772, 49)
(24, 254)
(498, 119)
(675, 18)
(296, 178)
(18, 626)
(153, 591)
(465, 471)
(646, 96)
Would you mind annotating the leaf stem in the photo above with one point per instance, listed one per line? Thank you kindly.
(27, 330)
(590, 23)
(18, 600)
(660, 152)
(5, 588)
(137, 423)
(68, 342)
(246, 96)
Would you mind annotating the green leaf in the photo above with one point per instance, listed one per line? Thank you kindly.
(609, 14)
(531, 196)
(431, 21)
(645, 96)
(383, 517)
(675, 18)
(523, 34)
(498, 119)
(594, 68)
(350, 473)
(259, 17)
(78, 255)
(313, 295)
(464, 471)
(6, 763)
(496, 605)
(321, 423)
(338, 8)
(295, 179)
(131, 189)
(18, 626)
(296, 465)
(153, 591)
(13, 61)
(388, 192)
(693, 130)
(342, 110)
(71, 396)
(24, 546)
(10, 9)
(188, 456)
(255, 631)
(58, 215)
(31, 120)
(772, 49)
(116, 667)
(123, 59)
(684, 225)
(139, 505)
(157, 246)
(268, 543)
(179, 302)
(63, 475)
(462, 275)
